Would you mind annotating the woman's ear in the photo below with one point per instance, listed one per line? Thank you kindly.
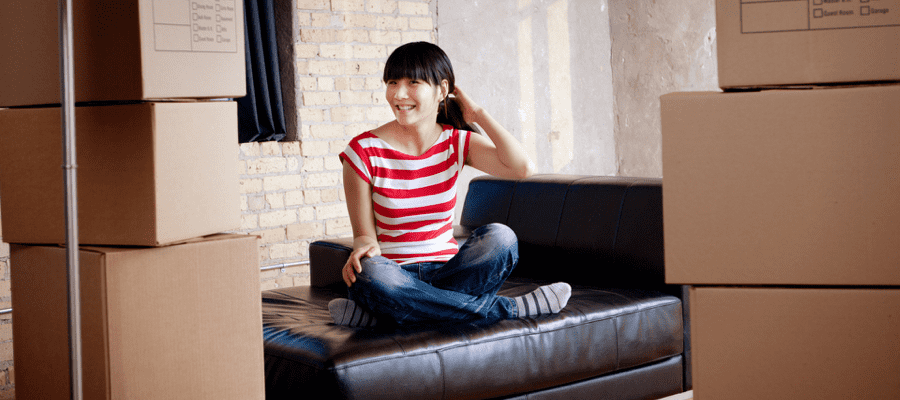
(445, 89)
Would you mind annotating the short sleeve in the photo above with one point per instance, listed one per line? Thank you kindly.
(355, 156)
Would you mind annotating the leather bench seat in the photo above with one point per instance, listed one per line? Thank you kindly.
(465, 360)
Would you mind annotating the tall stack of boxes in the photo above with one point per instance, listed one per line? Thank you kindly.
(170, 306)
(782, 203)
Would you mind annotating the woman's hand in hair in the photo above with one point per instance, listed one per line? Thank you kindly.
(470, 109)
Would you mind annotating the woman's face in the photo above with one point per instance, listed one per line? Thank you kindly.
(414, 102)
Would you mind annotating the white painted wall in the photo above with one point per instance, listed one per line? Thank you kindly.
(578, 81)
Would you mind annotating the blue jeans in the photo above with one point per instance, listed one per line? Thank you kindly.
(463, 288)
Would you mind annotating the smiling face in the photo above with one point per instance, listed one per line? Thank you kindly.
(413, 101)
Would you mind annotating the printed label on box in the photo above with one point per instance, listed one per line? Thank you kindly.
(195, 25)
(802, 15)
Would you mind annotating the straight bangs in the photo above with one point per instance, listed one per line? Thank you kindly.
(409, 67)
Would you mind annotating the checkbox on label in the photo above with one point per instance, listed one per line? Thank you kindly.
(864, 10)
(817, 13)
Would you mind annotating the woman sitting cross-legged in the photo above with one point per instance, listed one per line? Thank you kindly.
(400, 182)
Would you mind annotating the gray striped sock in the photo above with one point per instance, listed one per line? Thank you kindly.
(547, 299)
(346, 312)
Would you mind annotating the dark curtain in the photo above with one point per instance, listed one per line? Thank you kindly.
(260, 112)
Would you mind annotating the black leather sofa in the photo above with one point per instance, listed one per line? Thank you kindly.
(623, 335)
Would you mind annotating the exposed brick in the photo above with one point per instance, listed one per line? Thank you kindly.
(313, 4)
(314, 165)
(271, 235)
(250, 185)
(266, 165)
(307, 84)
(249, 221)
(356, 98)
(302, 280)
(290, 148)
(257, 202)
(348, 114)
(411, 8)
(275, 200)
(5, 332)
(312, 35)
(320, 20)
(282, 182)
(270, 148)
(383, 37)
(268, 285)
(417, 36)
(284, 250)
(362, 68)
(312, 196)
(293, 163)
(330, 195)
(359, 21)
(311, 148)
(244, 204)
(321, 98)
(347, 5)
(369, 51)
(322, 67)
(421, 23)
(250, 149)
(333, 163)
(307, 230)
(293, 198)
(4, 250)
(326, 83)
(352, 36)
(277, 218)
(338, 146)
(311, 115)
(342, 51)
(381, 6)
(323, 180)
(340, 226)
(303, 50)
(379, 114)
(331, 211)
(306, 214)
(391, 23)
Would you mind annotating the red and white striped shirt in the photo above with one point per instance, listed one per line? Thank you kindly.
(413, 196)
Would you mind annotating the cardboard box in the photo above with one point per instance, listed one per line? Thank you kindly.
(148, 174)
(766, 43)
(775, 343)
(123, 50)
(782, 187)
(174, 322)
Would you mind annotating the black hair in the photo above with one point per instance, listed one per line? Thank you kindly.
(425, 61)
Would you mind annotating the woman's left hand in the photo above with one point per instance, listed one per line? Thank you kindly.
(469, 108)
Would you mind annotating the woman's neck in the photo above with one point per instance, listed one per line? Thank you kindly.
(413, 140)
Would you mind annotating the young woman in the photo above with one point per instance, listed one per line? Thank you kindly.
(400, 182)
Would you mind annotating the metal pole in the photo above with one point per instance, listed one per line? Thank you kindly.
(70, 179)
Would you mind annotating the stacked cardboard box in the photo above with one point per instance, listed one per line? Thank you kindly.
(782, 203)
(170, 307)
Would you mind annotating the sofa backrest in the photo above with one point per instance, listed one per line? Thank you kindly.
(604, 231)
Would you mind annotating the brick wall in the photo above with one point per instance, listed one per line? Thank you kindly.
(291, 192)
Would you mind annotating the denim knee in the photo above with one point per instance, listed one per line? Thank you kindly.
(500, 237)
(380, 275)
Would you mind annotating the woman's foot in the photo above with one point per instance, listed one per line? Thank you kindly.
(346, 312)
(547, 299)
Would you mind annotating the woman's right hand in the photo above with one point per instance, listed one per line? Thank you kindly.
(353, 265)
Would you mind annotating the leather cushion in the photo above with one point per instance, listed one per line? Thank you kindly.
(600, 331)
